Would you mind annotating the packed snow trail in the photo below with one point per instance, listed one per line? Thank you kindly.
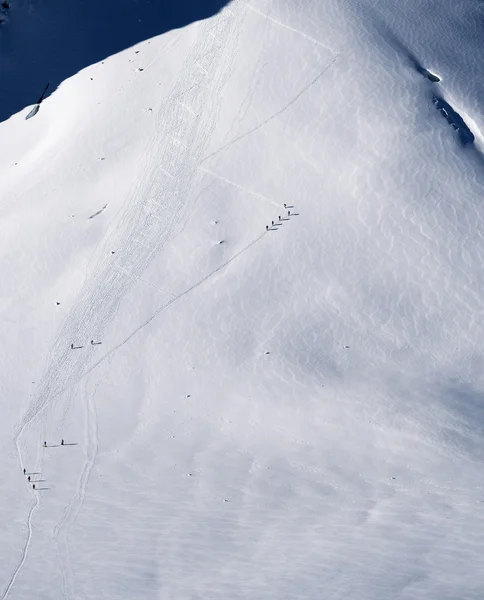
(155, 207)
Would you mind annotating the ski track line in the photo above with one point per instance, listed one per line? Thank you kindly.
(108, 275)
(25, 549)
(167, 305)
(234, 129)
(285, 26)
(240, 187)
(72, 509)
(100, 297)
(30, 515)
(278, 113)
(156, 288)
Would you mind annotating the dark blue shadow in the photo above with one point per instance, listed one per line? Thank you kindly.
(46, 42)
(452, 117)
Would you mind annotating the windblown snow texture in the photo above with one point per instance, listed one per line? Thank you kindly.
(242, 280)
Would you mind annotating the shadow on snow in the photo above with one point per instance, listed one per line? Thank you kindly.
(466, 405)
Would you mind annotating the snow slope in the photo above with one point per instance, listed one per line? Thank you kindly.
(44, 42)
(292, 413)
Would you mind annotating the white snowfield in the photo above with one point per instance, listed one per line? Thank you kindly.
(286, 414)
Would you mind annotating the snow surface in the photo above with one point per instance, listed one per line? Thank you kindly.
(292, 413)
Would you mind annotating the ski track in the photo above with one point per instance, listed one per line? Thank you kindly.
(168, 304)
(278, 113)
(26, 547)
(240, 187)
(286, 26)
(72, 509)
(155, 208)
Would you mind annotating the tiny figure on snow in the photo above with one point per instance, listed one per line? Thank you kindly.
(285, 205)
(33, 486)
(272, 223)
(72, 346)
(267, 227)
(288, 213)
(62, 442)
(24, 471)
(28, 478)
(45, 444)
(92, 342)
(279, 217)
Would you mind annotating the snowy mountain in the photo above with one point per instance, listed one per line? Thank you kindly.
(248, 409)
